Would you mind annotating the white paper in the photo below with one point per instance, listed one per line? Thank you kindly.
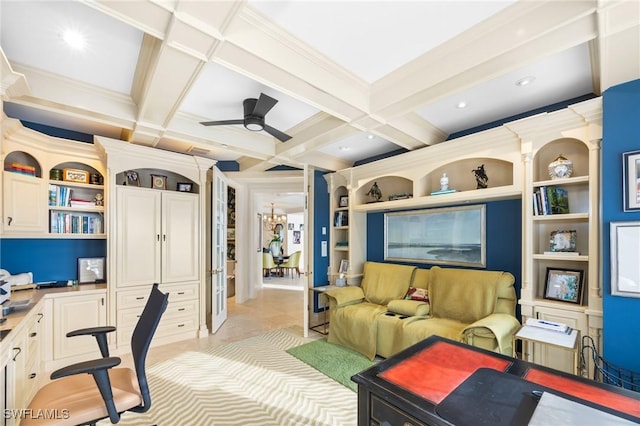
(546, 336)
(558, 411)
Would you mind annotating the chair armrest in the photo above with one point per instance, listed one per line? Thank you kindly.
(99, 333)
(91, 331)
(99, 369)
(503, 327)
(346, 295)
(86, 367)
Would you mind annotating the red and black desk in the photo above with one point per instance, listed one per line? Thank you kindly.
(442, 382)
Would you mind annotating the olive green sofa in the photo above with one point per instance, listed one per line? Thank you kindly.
(476, 307)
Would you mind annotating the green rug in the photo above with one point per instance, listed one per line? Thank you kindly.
(335, 361)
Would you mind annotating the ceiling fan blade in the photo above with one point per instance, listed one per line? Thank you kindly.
(264, 105)
(221, 123)
(283, 137)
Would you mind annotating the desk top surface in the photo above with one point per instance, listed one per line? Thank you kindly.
(428, 373)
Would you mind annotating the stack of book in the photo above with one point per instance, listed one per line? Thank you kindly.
(550, 200)
(22, 169)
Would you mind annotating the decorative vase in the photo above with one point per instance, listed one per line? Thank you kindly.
(560, 168)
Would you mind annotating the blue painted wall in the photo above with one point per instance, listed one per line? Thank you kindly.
(48, 259)
(503, 239)
(621, 133)
(320, 220)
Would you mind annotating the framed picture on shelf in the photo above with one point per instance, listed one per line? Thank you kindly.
(564, 285)
(446, 236)
(631, 180)
(158, 182)
(344, 266)
(131, 178)
(184, 187)
(563, 241)
(91, 270)
(344, 201)
(625, 275)
(75, 175)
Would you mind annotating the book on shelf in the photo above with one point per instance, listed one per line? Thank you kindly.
(550, 200)
(443, 191)
(549, 325)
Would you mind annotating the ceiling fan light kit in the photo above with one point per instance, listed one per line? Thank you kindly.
(254, 113)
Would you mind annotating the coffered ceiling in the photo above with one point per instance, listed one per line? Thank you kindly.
(353, 79)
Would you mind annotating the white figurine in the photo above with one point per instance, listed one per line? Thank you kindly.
(444, 182)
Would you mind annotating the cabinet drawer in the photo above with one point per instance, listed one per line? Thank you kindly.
(384, 413)
(129, 317)
(138, 298)
(167, 327)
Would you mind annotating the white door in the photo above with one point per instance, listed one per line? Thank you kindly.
(24, 203)
(138, 236)
(180, 237)
(308, 242)
(218, 241)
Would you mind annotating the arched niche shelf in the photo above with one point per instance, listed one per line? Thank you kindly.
(390, 186)
(15, 159)
(462, 178)
(570, 148)
(144, 176)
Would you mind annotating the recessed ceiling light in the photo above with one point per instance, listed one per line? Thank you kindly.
(224, 145)
(74, 39)
(344, 148)
(461, 104)
(369, 136)
(525, 81)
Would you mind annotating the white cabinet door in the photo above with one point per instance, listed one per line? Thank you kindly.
(72, 313)
(180, 237)
(138, 236)
(24, 203)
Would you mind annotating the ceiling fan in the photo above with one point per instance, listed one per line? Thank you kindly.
(254, 112)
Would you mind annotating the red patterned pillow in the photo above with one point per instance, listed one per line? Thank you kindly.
(417, 294)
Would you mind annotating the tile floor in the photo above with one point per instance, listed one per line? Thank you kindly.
(278, 305)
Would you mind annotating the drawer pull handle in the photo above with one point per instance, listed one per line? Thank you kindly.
(34, 334)
(41, 316)
(180, 325)
(32, 375)
(181, 309)
(180, 293)
(140, 298)
(17, 352)
(407, 424)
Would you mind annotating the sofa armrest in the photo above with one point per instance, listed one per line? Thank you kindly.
(346, 295)
(502, 326)
(410, 308)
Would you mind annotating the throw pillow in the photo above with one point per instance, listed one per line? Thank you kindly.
(417, 294)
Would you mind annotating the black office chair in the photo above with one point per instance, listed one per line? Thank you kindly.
(93, 390)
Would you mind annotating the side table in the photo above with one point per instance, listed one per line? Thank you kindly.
(322, 328)
(529, 334)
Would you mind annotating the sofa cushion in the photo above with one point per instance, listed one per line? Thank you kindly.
(355, 327)
(384, 282)
(463, 295)
(415, 331)
(409, 308)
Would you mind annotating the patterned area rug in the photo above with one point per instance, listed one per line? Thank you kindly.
(250, 382)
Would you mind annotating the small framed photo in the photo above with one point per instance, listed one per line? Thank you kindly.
(75, 175)
(158, 182)
(290, 226)
(344, 201)
(631, 180)
(563, 241)
(564, 285)
(344, 266)
(184, 187)
(91, 270)
(131, 178)
(625, 274)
